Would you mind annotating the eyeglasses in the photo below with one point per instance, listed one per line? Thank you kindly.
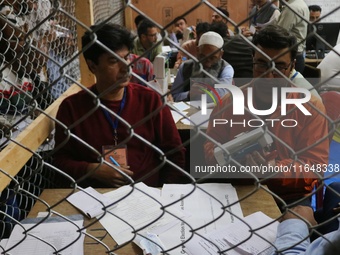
(264, 67)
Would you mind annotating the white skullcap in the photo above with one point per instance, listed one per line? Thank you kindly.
(211, 38)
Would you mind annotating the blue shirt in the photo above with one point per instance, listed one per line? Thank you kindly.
(292, 232)
(226, 77)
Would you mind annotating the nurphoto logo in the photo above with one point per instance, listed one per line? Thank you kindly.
(238, 104)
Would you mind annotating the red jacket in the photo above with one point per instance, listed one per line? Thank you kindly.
(146, 117)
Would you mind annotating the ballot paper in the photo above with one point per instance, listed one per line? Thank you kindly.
(56, 233)
(137, 208)
(90, 202)
(204, 207)
(239, 234)
(198, 119)
(149, 243)
(177, 116)
(181, 106)
(198, 104)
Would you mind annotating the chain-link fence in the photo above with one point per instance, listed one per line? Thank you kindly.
(109, 137)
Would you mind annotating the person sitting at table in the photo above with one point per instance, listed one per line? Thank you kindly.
(142, 67)
(216, 17)
(116, 125)
(293, 231)
(191, 45)
(181, 30)
(210, 56)
(145, 44)
(303, 144)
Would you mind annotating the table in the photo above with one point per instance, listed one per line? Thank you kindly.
(259, 200)
(180, 126)
(313, 61)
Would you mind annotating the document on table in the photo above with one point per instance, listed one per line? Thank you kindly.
(203, 206)
(198, 119)
(137, 209)
(90, 202)
(177, 116)
(198, 104)
(239, 234)
(181, 106)
(56, 232)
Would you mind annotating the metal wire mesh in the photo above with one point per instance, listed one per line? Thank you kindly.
(39, 62)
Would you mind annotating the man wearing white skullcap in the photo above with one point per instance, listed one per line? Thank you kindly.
(215, 70)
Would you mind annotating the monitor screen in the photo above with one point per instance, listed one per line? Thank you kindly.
(327, 31)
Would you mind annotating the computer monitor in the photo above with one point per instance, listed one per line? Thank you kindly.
(327, 31)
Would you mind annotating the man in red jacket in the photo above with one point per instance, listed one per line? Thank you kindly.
(116, 132)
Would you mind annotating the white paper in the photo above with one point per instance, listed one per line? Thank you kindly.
(166, 49)
(56, 232)
(198, 104)
(202, 207)
(153, 247)
(3, 243)
(199, 119)
(177, 116)
(181, 106)
(235, 234)
(252, 29)
(139, 210)
(90, 201)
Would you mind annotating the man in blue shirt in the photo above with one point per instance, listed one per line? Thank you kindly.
(210, 57)
(293, 232)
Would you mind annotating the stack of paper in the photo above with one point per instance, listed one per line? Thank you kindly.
(207, 207)
(56, 233)
(137, 210)
(90, 202)
(240, 235)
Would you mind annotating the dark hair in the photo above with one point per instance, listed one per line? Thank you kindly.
(202, 28)
(276, 37)
(179, 18)
(113, 36)
(224, 11)
(139, 18)
(219, 27)
(315, 8)
(144, 26)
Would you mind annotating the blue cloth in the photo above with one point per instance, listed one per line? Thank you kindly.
(331, 200)
(333, 161)
(294, 232)
(225, 77)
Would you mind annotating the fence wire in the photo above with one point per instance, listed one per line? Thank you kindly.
(39, 62)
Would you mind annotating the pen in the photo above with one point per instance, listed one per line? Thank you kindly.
(114, 161)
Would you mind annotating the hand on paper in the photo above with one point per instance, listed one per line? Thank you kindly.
(109, 174)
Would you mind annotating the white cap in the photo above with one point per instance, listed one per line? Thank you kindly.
(211, 38)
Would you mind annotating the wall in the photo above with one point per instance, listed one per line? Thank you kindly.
(164, 12)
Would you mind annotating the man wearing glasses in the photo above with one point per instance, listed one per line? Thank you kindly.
(296, 149)
(146, 43)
